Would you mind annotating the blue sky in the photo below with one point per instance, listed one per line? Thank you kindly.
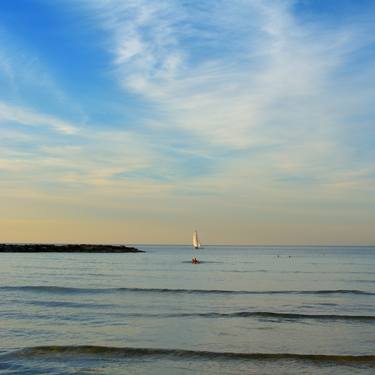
(131, 120)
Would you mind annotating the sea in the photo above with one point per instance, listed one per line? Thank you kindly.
(243, 310)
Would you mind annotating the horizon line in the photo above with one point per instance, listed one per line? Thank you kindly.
(186, 244)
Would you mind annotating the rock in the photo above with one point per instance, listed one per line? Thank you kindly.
(68, 248)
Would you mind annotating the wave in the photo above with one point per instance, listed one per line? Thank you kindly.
(59, 289)
(51, 289)
(202, 261)
(364, 281)
(246, 271)
(67, 304)
(265, 314)
(131, 352)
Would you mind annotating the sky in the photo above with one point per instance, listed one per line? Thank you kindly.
(139, 121)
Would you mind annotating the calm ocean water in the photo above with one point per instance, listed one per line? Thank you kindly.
(243, 310)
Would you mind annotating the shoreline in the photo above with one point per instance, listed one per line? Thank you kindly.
(67, 248)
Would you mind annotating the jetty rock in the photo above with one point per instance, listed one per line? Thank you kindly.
(66, 248)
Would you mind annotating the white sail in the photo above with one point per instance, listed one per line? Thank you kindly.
(196, 242)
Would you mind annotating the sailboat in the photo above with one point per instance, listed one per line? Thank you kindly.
(196, 243)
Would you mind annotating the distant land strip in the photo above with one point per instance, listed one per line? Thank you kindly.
(66, 248)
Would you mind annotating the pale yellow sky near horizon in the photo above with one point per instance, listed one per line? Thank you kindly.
(141, 219)
(58, 231)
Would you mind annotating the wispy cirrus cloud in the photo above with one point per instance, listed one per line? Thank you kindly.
(21, 115)
(242, 75)
(47, 151)
(246, 79)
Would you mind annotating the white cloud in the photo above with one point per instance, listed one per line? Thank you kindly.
(266, 80)
(25, 116)
(242, 76)
(221, 98)
(75, 157)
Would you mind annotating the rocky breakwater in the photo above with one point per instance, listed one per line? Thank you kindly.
(69, 248)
